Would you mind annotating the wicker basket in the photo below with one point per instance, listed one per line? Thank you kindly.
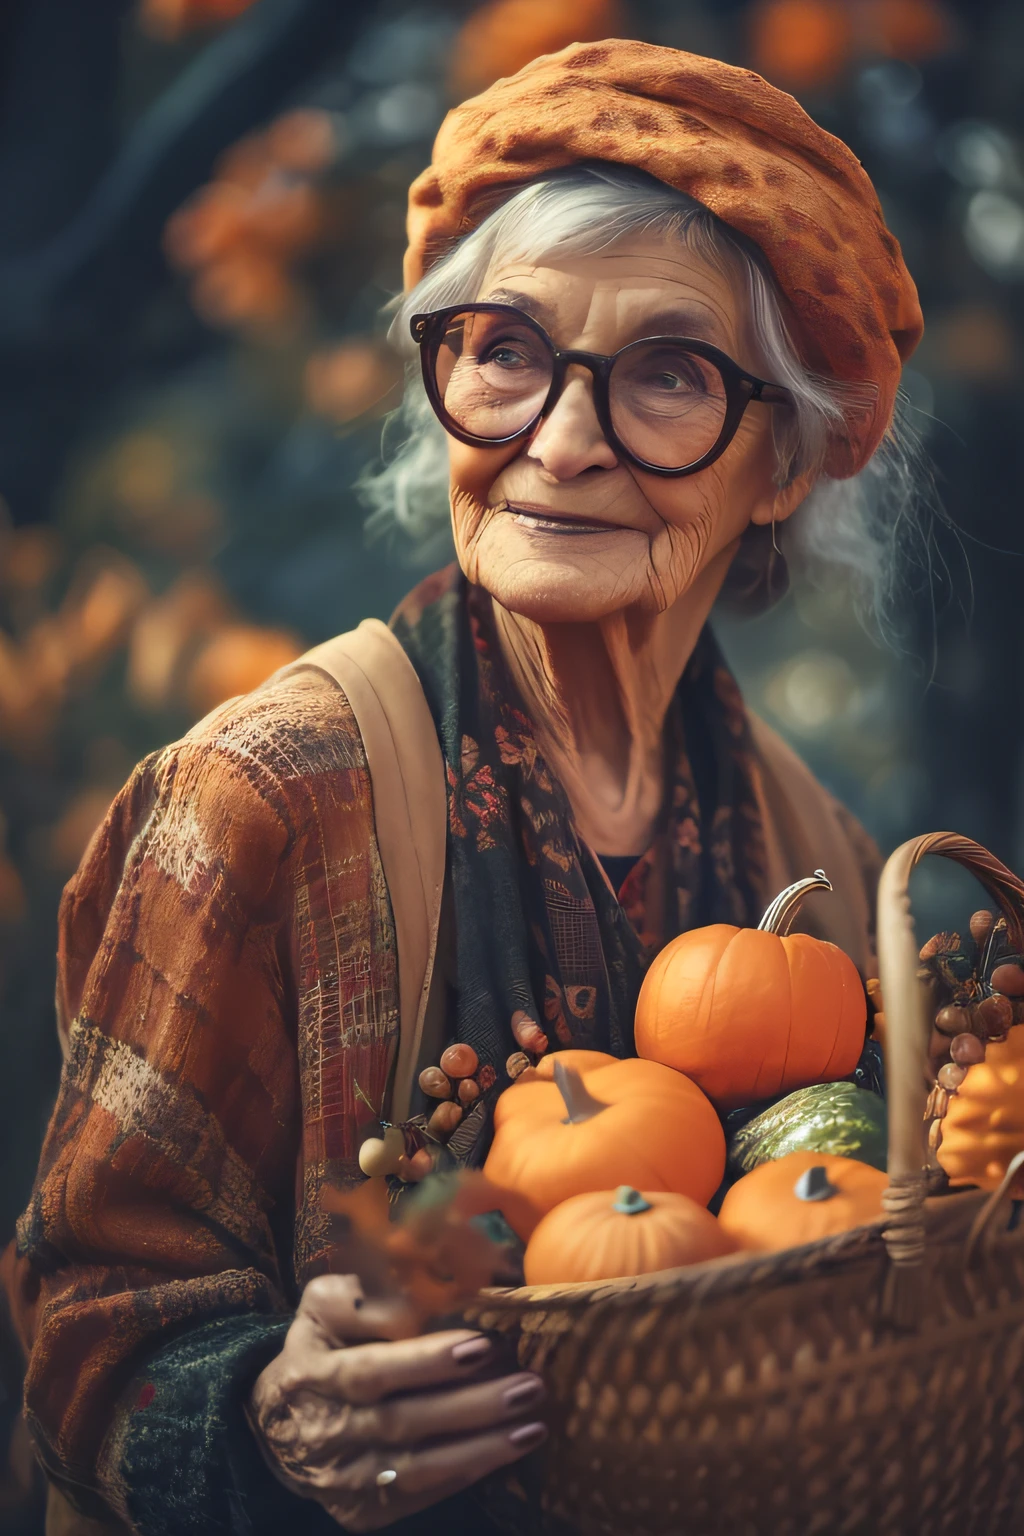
(871, 1384)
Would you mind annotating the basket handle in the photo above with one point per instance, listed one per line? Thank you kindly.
(908, 1027)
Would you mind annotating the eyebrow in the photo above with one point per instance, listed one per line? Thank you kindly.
(680, 320)
(535, 308)
(676, 320)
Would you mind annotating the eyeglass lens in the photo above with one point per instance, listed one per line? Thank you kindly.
(493, 373)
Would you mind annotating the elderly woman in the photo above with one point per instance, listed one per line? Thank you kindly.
(660, 322)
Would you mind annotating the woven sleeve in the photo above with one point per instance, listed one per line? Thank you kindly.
(155, 1269)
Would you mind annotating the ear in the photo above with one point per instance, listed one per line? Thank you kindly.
(783, 501)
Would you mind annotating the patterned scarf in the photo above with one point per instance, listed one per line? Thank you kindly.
(538, 928)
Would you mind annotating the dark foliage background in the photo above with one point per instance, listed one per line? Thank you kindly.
(201, 214)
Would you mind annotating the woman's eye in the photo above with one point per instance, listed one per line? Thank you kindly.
(505, 354)
(676, 381)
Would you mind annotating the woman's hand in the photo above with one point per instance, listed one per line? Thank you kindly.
(377, 1430)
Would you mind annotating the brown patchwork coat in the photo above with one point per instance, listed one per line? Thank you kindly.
(228, 1005)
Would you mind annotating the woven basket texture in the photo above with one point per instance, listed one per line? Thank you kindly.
(766, 1396)
(870, 1384)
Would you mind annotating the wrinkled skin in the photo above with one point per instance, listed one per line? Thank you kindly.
(614, 614)
(608, 617)
(351, 1396)
(661, 534)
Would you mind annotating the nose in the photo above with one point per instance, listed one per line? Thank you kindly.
(570, 439)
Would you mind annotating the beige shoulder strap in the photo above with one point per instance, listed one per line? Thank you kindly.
(409, 811)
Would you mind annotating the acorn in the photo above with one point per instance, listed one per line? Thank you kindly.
(994, 1015)
(444, 1120)
(469, 1092)
(966, 1050)
(459, 1061)
(951, 1020)
(1009, 980)
(981, 926)
(434, 1083)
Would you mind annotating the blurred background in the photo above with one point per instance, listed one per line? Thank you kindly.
(201, 215)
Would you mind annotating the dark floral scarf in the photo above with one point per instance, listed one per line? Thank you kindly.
(538, 928)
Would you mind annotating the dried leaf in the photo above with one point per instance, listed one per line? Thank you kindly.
(432, 1254)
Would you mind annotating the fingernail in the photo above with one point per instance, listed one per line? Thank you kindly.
(524, 1393)
(527, 1436)
(471, 1351)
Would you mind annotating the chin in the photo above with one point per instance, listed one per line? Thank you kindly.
(562, 578)
(552, 591)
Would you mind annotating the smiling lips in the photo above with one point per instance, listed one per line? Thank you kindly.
(557, 522)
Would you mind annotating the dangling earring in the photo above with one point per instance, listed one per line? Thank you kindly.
(775, 542)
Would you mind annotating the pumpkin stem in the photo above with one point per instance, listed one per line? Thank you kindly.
(783, 909)
(814, 1184)
(629, 1201)
(580, 1105)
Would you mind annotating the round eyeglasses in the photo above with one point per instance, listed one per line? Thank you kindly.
(668, 404)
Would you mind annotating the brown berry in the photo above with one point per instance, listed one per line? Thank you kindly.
(1009, 979)
(460, 1061)
(951, 1076)
(444, 1120)
(517, 1063)
(966, 1050)
(469, 1092)
(435, 1084)
(951, 1020)
(994, 1015)
(981, 925)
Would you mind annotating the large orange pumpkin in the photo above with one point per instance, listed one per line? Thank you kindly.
(630, 1121)
(800, 1198)
(750, 1014)
(610, 1233)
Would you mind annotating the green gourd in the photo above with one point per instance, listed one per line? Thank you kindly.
(838, 1118)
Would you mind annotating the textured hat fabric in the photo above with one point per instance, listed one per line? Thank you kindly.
(727, 138)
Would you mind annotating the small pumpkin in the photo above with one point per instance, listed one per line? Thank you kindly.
(983, 1128)
(801, 1198)
(751, 1013)
(605, 1234)
(633, 1121)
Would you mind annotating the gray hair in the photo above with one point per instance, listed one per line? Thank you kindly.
(855, 527)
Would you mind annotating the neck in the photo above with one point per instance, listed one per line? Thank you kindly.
(598, 694)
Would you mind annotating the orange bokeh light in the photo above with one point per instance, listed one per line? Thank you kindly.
(800, 43)
(503, 35)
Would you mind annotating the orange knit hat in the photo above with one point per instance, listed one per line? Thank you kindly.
(727, 138)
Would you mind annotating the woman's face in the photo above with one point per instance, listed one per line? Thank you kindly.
(557, 527)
